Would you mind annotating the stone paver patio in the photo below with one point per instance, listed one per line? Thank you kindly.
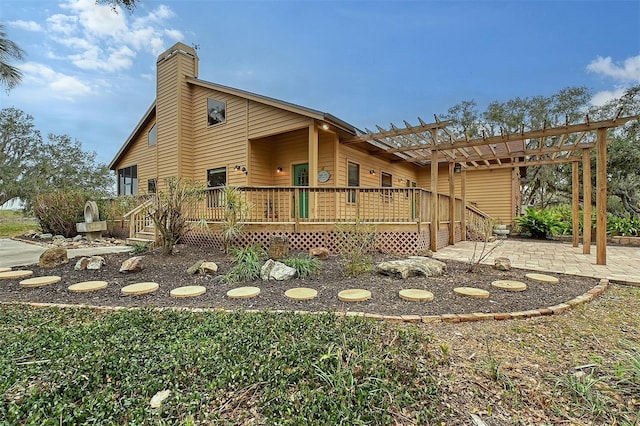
(623, 262)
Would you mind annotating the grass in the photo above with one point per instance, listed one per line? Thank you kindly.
(13, 223)
(75, 366)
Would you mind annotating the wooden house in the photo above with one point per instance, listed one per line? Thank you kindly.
(302, 170)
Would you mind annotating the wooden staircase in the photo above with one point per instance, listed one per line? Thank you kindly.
(141, 227)
(146, 236)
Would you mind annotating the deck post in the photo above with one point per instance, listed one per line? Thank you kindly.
(435, 218)
(586, 201)
(463, 212)
(313, 170)
(601, 197)
(575, 203)
(452, 206)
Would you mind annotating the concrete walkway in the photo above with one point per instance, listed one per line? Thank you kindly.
(16, 253)
(623, 262)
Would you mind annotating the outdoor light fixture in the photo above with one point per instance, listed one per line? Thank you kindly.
(237, 168)
(372, 172)
(457, 168)
(325, 126)
(244, 170)
(278, 169)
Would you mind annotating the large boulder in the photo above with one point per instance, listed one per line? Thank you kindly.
(273, 270)
(413, 265)
(53, 257)
(208, 268)
(502, 263)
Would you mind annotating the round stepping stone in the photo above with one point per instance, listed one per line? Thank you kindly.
(188, 291)
(542, 278)
(40, 281)
(476, 293)
(243, 292)
(10, 275)
(86, 286)
(354, 295)
(140, 288)
(416, 295)
(509, 285)
(301, 293)
(5, 269)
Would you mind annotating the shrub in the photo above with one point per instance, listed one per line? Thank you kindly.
(247, 263)
(58, 212)
(538, 223)
(305, 265)
(236, 210)
(627, 226)
(355, 243)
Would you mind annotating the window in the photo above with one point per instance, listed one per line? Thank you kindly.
(386, 180)
(153, 135)
(216, 178)
(128, 181)
(216, 112)
(353, 180)
(152, 186)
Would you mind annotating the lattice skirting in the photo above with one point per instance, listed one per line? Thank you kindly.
(385, 242)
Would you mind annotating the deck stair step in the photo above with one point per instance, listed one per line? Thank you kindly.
(134, 241)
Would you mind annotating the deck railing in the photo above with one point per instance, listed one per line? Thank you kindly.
(277, 204)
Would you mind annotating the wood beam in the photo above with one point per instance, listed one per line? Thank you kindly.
(435, 218)
(575, 203)
(586, 201)
(601, 197)
(463, 195)
(452, 205)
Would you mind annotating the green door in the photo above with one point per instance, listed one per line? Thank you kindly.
(301, 178)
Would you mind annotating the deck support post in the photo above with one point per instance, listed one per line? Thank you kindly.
(586, 201)
(313, 169)
(575, 203)
(463, 208)
(452, 206)
(435, 218)
(601, 197)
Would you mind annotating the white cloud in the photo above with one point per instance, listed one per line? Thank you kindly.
(62, 24)
(62, 85)
(26, 25)
(627, 71)
(605, 96)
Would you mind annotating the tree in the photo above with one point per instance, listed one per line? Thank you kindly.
(29, 166)
(127, 4)
(10, 76)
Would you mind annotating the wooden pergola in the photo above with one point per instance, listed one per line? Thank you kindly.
(432, 143)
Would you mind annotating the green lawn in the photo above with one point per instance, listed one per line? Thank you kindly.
(74, 367)
(13, 223)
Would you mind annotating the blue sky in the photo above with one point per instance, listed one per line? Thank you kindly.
(90, 73)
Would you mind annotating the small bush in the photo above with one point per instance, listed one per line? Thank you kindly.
(140, 248)
(628, 226)
(305, 265)
(247, 263)
(538, 223)
(58, 212)
(355, 243)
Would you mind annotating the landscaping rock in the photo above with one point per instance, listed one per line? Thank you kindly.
(273, 270)
(95, 263)
(133, 264)
(413, 265)
(53, 257)
(77, 238)
(81, 264)
(319, 252)
(502, 263)
(195, 267)
(46, 236)
(208, 268)
(59, 240)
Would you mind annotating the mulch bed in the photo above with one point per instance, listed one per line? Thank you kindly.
(170, 272)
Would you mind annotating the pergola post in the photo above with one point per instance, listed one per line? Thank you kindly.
(435, 218)
(463, 195)
(601, 197)
(575, 202)
(313, 168)
(586, 201)
(452, 206)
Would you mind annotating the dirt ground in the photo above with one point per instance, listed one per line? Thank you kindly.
(170, 272)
